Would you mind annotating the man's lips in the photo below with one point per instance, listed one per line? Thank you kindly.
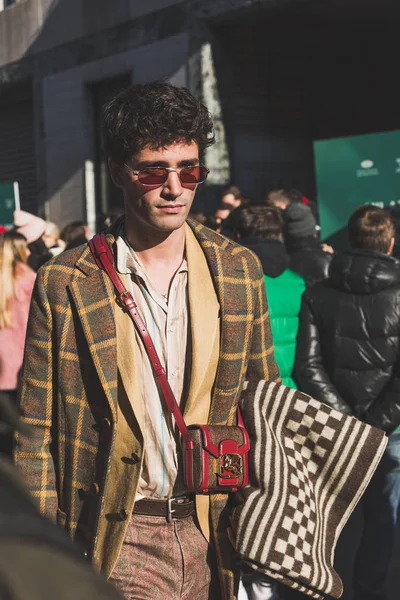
(171, 207)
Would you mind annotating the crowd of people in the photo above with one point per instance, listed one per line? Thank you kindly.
(334, 320)
(335, 336)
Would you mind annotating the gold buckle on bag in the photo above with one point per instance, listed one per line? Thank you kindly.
(231, 463)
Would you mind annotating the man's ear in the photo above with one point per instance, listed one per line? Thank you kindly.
(116, 172)
(391, 245)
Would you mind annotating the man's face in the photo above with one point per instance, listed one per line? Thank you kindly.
(154, 210)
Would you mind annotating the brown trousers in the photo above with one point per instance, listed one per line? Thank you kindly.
(162, 560)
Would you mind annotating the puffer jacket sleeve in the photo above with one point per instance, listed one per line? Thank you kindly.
(384, 413)
(309, 370)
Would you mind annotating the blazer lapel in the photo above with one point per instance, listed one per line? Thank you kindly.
(94, 300)
(204, 326)
(220, 261)
(127, 366)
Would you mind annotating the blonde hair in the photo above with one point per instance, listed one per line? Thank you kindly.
(13, 254)
(276, 197)
(52, 229)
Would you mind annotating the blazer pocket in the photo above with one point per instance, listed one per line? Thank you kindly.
(61, 518)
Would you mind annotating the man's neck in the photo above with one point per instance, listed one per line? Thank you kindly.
(161, 256)
(162, 247)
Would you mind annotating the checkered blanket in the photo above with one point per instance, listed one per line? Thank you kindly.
(309, 466)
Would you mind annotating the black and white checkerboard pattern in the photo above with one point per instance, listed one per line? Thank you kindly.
(309, 465)
(310, 439)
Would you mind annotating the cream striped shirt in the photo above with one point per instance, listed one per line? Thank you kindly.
(168, 324)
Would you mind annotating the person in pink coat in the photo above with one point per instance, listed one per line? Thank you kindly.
(16, 284)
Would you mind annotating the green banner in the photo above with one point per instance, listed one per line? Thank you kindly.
(353, 171)
(9, 201)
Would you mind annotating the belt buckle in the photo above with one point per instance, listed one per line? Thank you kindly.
(170, 510)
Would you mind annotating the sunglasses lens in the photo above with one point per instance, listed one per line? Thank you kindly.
(153, 176)
(158, 175)
(193, 175)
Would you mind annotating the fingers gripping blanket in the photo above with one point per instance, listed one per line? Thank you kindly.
(309, 466)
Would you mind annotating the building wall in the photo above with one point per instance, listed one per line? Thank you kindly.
(65, 46)
(281, 79)
(68, 117)
(285, 81)
(17, 148)
(33, 26)
(59, 49)
(19, 27)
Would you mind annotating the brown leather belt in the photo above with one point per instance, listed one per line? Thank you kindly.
(172, 508)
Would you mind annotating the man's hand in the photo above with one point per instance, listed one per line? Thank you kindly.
(327, 248)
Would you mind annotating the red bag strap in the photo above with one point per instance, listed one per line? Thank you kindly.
(240, 421)
(105, 260)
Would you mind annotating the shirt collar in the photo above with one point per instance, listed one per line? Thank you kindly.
(128, 262)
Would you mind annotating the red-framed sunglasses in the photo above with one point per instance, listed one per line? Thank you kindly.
(155, 176)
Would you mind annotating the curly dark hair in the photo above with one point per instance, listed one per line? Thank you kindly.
(153, 115)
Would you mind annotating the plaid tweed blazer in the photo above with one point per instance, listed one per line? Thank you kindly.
(71, 391)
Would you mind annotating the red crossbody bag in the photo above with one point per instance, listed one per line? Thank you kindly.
(215, 456)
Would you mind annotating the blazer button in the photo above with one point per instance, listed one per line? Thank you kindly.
(123, 514)
(94, 489)
(135, 458)
(106, 423)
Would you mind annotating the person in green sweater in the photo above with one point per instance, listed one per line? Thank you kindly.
(260, 228)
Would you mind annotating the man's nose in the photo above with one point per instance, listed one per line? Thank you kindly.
(173, 186)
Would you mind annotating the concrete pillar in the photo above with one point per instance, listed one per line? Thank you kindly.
(203, 83)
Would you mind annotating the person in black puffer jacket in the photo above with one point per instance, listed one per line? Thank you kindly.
(348, 356)
(307, 258)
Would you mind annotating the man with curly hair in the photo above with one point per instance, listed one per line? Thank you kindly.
(104, 457)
